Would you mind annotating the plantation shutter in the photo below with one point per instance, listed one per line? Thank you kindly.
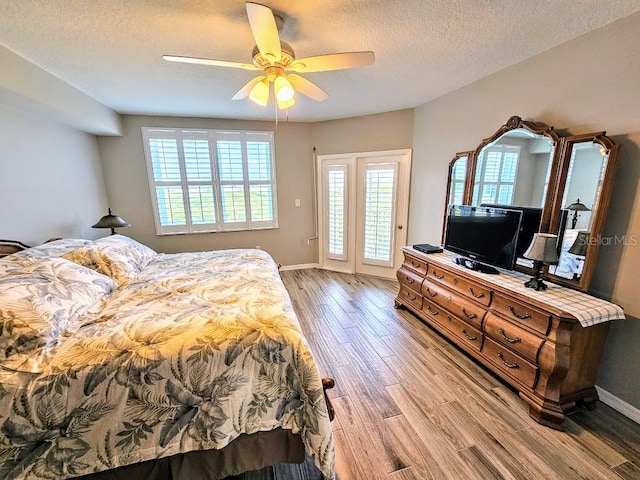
(379, 192)
(206, 181)
(336, 211)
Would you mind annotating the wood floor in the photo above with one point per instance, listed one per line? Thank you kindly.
(409, 405)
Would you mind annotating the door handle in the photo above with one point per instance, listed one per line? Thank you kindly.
(399, 227)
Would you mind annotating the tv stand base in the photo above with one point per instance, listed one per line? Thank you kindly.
(477, 266)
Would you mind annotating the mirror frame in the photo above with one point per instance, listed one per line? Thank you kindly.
(514, 123)
(551, 209)
(465, 200)
(600, 209)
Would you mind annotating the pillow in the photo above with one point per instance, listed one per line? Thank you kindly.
(45, 299)
(50, 249)
(117, 256)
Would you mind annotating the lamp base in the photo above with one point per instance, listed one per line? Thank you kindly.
(536, 283)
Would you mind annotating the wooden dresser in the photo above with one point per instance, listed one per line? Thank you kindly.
(545, 344)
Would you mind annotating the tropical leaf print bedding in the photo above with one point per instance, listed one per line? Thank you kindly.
(197, 349)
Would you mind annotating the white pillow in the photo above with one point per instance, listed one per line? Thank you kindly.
(42, 301)
(117, 256)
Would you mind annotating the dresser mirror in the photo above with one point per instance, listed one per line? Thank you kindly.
(586, 177)
(561, 184)
(514, 170)
(516, 167)
(457, 179)
(456, 183)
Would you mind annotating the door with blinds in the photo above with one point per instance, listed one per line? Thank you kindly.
(363, 210)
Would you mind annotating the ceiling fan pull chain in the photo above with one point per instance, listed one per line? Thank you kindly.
(275, 108)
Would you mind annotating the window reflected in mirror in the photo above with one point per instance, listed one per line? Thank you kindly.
(514, 170)
(458, 177)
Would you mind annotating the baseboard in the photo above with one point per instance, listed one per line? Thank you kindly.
(301, 266)
(619, 405)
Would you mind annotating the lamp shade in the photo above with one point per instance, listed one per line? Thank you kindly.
(578, 206)
(260, 93)
(579, 247)
(543, 248)
(111, 221)
(283, 88)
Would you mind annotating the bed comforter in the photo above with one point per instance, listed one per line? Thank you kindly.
(197, 349)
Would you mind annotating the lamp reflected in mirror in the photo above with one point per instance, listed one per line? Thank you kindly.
(579, 249)
(576, 207)
(543, 251)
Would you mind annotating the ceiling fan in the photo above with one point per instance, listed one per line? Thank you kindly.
(277, 59)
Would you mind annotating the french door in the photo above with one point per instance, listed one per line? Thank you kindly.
(362, 210)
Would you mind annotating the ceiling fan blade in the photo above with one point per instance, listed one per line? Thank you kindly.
(244, 91)
(307, 88)
(265, 31)
(333, 61)
(208, 61)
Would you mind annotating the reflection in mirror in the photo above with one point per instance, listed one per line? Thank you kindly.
(582, 188)
(458, 176)
(514, 170)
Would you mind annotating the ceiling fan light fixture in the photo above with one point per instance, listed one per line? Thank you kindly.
(282, 104)
(283, 88)
(260, 93)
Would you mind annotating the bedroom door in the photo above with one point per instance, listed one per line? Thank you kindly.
(362, 210)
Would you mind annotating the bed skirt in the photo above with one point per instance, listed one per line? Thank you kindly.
(247, 452)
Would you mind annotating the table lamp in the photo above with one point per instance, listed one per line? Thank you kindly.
(111, 221)
(543, 251)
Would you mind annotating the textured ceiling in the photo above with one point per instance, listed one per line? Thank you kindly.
(112, 49)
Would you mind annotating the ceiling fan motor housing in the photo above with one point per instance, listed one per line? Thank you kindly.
(287, 56)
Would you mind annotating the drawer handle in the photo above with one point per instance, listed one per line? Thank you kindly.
(434, 294)
(510, 365)
(510, 340)
(433, 312)
(455, 281)
(413, 298)
(476, 295)
(449, 318)
(409, 280)
(439, 277)
(470, 337)
(470, 316)
(415, 264)
(517, 315)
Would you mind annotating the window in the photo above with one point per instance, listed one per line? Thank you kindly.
(210, 180)
(497, 168)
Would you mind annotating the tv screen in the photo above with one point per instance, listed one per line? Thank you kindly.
(485, 235)
(529, 225)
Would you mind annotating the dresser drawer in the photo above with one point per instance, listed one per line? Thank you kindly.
(410, 297)
(416, 264)
(409, 279)
(510, 363)
(522, 313)
(463, 331)
(513, 337)
(454, 302)
(473, 291)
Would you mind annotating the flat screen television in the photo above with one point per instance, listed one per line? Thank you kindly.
(529, 225)
(483, 236)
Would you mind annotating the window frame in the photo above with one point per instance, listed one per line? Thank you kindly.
(212, 136)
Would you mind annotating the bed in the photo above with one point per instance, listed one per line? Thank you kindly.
(114, 358)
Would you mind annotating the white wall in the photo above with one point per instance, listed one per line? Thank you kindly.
(50, 180)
